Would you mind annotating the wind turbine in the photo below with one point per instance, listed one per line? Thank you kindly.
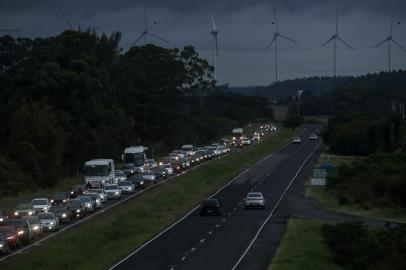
(275, 38)
(390, 39)
(215, 52)
(146, 32)
(334, 38)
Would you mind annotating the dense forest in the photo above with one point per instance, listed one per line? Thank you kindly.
(78, 96)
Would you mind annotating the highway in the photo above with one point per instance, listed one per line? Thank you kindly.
(196, 242)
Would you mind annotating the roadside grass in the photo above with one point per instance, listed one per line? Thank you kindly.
(328, 200)
(105, 239)
(302, 247)
(279, 112)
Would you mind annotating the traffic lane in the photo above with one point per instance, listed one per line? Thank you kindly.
(226, 247)
(177, 242)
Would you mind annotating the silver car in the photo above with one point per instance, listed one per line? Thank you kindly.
(87, 201)
(126, 187)
(101, 193)
(120, 176)
(49, 222)
(149, 177)
(168, 168)
(112, 191)
(96, 198)
(40, 205)
(254, 199)
(35, 225)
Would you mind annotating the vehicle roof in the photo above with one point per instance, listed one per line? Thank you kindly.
(187, 146)
(135, 149)
(254, 193)
(100, 161)
(40, 199)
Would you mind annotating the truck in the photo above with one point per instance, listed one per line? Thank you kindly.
(99, 172)
(189, 149)
(136, 156)
(238, 136)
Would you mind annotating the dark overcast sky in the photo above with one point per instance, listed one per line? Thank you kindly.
(245, 28)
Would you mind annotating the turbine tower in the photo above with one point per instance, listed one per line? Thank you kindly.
(390, 39)
(275, 38)
(215, 52)
(146, 32)
(334, 38)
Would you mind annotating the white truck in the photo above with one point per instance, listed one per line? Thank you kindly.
(100, 172)
(189, 149)
(238, 136)
(135, 156)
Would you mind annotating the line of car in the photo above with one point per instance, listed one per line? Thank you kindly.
(33, 220)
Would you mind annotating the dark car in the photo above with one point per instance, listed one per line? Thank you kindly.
(76, 208)
(23, 229)
(160, 172)
(58, 198)
(4, 245)
(61, 212)
(3, 217)
(210, 207)
(129, 170)
(77, 190)
(11, 236)
(138, 181)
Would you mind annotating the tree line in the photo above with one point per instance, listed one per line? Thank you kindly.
(76, 96)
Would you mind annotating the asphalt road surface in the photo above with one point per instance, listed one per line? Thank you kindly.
(221, 242)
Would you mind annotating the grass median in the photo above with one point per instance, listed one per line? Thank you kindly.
(107, 238)
(302, 247)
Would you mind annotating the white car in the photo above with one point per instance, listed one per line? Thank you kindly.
(101, 193)
(49, 222)
(40, 205)
(112, 191)
(296, 140)
(168, 168)
(313, 137)
(126, 187)
(246, 141)
(254, 199)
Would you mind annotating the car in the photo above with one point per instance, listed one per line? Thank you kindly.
(126, 187)
(246, 141)
(120, 176)
(59, 197)
(101, 193)
(11, 236)
(90, 206)
(152, 162)
(24, 233)
(96, 198)
(169, 169)
(129, 169)
(4, 245)
(62, 213)
(188, 149)
(76, 208)
(35, 225)
(203, 154)
(149, 178)
(254, 199)
(24, 209)
(112, 191)
(3, 217)
(296, 140)
(77, 190)
(40, 205)
(138, 181)
(210, 207)
(313, 137)
(160, 172)
(49, 222)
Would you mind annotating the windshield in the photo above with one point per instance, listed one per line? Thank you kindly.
(119, 173)
(55, 209)
(111, 187)
(135, 158)
(39, 202)
(97, 191)
(23, 206)
(85, 199)
(124, 183)
(45, 216)
(187, 148)
(7, 230)
(15, 223)
(96, 170)
(75, 203)
(59, 194)
(254, 195)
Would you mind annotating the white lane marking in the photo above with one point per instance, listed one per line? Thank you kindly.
(274, 209)
(210, 232)
(198, 206)
(192, 249)
(234, 208)
(172, 268)
(217, 225)
(229, 214)
(223, 220)
(202, 240)
(183, 258)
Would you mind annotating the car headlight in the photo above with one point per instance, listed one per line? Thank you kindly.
(10, 238)
(30, 213)
(88, 204)
(142, 182)
(78, 211)
(116, 192)
(20, 232)
(52, 201)
(1, 245)
(52, 223)
(16, 213)
(64, 201)
(64, 215)
(97, 200)
(35, 228)
(72, 192)
(1, 219)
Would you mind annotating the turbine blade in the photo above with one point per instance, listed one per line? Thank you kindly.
(345, 43)
(381, 43)
(285, 37)
(158, 37)
(216, 44)
(276, 20)
(139, 38)
(214, 25)
(400, 46)
(272, 41)
(325, 43)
